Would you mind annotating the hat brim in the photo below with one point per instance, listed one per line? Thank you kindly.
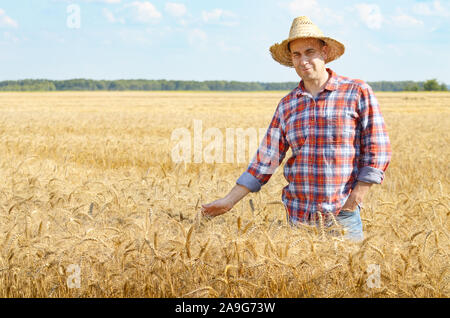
(280, 51)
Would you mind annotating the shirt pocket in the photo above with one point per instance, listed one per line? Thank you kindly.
(336, 126)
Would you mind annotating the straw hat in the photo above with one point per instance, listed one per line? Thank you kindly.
(302, 27)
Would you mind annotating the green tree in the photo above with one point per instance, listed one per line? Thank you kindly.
(443, 87)
(432, 85)
(116, 86)
(413, 87)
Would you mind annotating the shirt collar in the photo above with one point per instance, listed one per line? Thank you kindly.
(332, 83)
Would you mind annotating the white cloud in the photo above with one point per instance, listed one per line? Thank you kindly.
(403, 20)
(136, 11)
(108, 15)
(434, 9)
(6, 21)
(220, 16)
(319, 14)
(10, 37)
(92, 1)
(111, 17)
(304, 7)
(197, 37)
(143, 12)
(370, 15)
(183, 22)
(176, 9)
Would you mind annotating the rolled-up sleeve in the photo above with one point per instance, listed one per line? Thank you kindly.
(268, 157)
(375, 151)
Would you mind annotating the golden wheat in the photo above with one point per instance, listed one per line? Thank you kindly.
(88, 180)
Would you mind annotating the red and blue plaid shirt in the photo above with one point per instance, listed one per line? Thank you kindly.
(337, 138)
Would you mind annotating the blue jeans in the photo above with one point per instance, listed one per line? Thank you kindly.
(351, 222)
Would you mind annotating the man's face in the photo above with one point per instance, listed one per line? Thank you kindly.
(308, 57)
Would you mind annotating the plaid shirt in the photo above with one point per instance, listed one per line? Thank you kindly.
(337, 139)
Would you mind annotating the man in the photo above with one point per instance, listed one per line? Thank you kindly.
(337, 134)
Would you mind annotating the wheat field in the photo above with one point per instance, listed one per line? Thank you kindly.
(92, 204)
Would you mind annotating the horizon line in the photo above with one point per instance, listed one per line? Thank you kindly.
(177, 80)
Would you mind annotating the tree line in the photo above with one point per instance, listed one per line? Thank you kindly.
(172, 85)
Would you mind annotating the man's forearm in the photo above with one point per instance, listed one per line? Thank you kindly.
(236, 194)
(362, 187)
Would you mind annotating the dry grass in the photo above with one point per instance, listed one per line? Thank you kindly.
(88, 180)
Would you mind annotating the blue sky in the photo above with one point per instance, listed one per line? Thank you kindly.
(217, 40)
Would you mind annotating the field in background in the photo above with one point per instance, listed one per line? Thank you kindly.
(91, 204)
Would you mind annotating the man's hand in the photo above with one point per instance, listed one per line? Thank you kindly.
(356, 197)
(217, 207)
(225, 204)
